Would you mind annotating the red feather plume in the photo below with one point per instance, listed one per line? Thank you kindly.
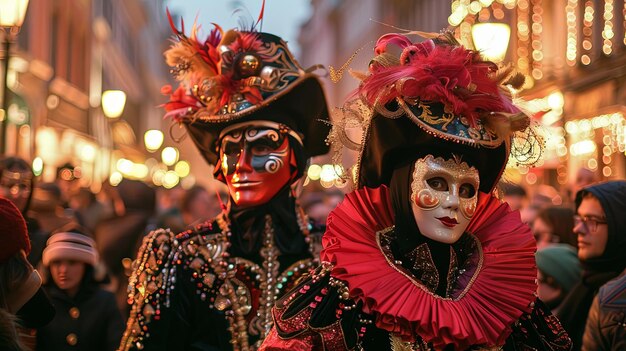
(430, 71)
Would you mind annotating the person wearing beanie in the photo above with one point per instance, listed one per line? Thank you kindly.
(23, 304)
(558, 270)
(87, 317)
(600, 226)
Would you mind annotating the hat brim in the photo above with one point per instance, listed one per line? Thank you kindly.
(391, 142)
(302, 107)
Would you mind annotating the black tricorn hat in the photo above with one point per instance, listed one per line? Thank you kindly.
(244, 76)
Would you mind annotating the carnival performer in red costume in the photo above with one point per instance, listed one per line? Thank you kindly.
(422, 256)
(255, 114)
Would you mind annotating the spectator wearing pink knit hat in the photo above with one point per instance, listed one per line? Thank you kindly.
(87, 316)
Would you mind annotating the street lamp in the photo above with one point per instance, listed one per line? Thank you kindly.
(12, 13)
(491, 39)
(113, 102)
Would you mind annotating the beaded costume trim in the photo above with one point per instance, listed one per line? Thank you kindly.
(225, 283)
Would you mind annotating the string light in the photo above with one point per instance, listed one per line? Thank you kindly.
(523, 31)
(607, 32)
(572, 32)
(498, 13)
(475, 7)
(484, 15)
(587, 33)
(537, 46)
(509, 4)
(553, 131)
(461, 9)
(582, 133)
(624, 14)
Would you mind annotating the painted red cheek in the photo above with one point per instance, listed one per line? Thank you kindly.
(469, 210)
(426, 199)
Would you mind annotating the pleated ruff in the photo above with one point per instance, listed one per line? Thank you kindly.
(500, 290)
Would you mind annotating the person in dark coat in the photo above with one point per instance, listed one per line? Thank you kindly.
(599, 224)
(606, 324)
(87, 317)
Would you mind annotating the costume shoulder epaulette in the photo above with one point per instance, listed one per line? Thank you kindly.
(207, 228)
(204, 245)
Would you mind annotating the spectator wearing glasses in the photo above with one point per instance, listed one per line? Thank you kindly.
(599, 224)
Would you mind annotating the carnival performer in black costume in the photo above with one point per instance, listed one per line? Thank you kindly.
(256, 115)
(423, 256)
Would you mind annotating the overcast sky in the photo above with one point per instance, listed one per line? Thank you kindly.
(282, 17)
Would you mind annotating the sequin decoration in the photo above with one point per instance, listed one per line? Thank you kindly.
(199, 258)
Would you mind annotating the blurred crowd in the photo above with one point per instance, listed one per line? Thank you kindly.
(79, 246)
(82, 245)
(580, 262)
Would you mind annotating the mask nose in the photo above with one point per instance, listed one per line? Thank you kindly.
(452, 200)
(244, 161)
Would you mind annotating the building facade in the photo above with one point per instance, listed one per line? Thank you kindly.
(572, 53)
(67, 53)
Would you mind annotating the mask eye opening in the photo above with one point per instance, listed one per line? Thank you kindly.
(438, 183)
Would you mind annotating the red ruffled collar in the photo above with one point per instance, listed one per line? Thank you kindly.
(502, 288)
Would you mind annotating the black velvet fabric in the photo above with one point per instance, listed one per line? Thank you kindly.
(248, 227)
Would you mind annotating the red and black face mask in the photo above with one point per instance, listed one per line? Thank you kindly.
(256, 162)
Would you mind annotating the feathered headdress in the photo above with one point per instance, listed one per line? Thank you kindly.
(441, 71)
(238, 76)
(209, 77)
(449, 92)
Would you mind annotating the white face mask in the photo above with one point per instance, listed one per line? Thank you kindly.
(444, 194)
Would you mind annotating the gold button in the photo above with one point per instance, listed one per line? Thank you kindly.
(74, 312)
(71, 339)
